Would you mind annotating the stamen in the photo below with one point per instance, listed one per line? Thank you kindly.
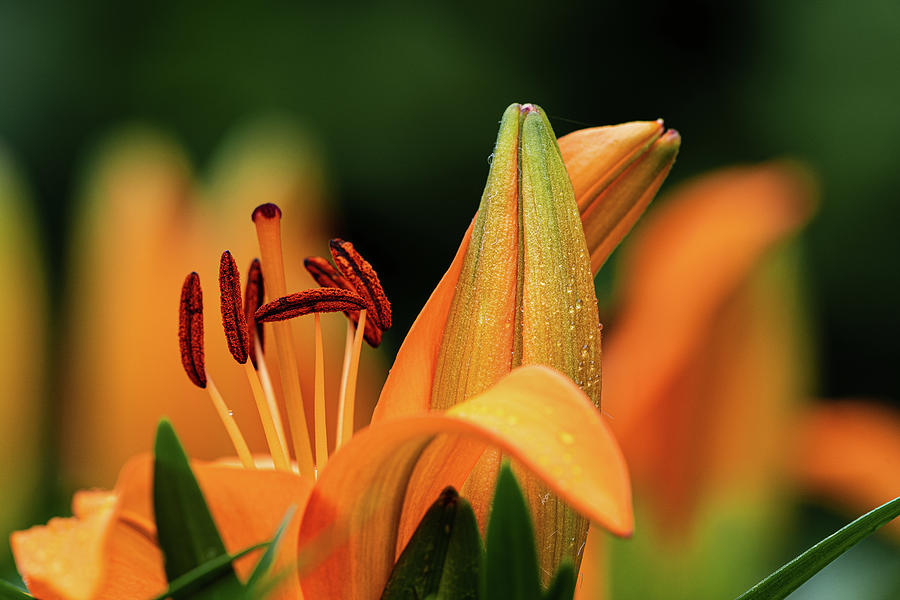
(190, 330)
(231, 427)
(327, 276)
(273, 440)
(321, 432)
(315, 300)
(253, 299)
(347, 401)
(267, 218)
(364, 278)
(234, 320)
(269, 391)
(190, 340)
(345, 376)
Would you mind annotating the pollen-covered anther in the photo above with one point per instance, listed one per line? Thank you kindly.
(234, 321)
(190, 330)
(316, 300)
(326, 275)
(364, 278)
(254, 293)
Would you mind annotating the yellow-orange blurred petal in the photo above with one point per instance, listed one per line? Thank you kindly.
(849, 452)
(23, 309)
(534, 414)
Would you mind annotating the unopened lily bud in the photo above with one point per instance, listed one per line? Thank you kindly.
(529, 298)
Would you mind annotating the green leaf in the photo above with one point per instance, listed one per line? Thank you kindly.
(443, 557)
(266, 560)
(10, 592)
(186, 531)
(511, 568)
(563, 585)
(197, 579)
(792, 575)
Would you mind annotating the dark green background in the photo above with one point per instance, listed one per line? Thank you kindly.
(404, 99)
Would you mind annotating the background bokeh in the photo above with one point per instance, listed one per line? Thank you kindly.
(402, 99)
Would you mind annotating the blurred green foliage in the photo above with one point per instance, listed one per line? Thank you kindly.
(404, 96)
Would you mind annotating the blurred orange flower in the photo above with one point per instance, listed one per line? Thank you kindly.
(144, 222)
(23, 368)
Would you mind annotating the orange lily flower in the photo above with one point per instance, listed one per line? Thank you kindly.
(705, 368)
(22, 326)
(368, 496)
(144, 222)
(108, 551)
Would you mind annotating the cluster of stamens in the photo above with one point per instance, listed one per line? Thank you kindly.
(352, 287)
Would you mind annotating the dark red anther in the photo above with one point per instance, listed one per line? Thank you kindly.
(233, 319)
(327, 276)
(316, 300)
(254, 294)
(190, 330)
(364, 279)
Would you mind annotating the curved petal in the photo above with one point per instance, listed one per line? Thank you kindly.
(615, 172)
(848, 452)
(595, 156)
(64, 559)
(536, 415)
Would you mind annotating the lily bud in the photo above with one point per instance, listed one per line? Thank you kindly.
(616, 171)
(520, 289)
(525, 295)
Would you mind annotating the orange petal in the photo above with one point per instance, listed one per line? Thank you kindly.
(594, 157)
(592, 581)
(64, 559)
(615, 210)
(247, 506)
(848, 452)
(536, 415)
(407, 390)
(615, 173)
